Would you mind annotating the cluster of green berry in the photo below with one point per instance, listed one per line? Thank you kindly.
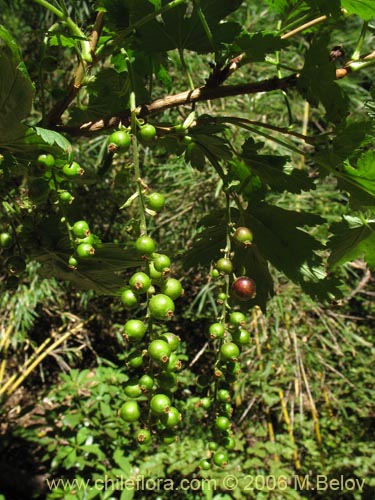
(228, 336)
(151, 350)
(120, 140)
(84, 242)
(53, 179)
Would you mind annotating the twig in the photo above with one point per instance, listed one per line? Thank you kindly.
(56, 112)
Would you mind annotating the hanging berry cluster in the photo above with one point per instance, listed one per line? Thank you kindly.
(228, 335)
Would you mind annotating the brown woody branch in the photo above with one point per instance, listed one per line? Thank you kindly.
(184, 98)
(204, 93)
(56, 112)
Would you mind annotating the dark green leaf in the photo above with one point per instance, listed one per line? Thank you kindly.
(258, 45)
(362, 8)
(352, 238)
(275, 171)
(16, 94)
(316, 82)
(96, 273)
(332, 7)
(280, 239)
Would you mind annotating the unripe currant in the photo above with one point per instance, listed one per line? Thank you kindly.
(155, 201)
(159, 351)
(220, 458)
(161, 262)
(172, 418)
(241, 337)
(81, 229)
(224, 265)
(161, 307)
(130, 411)
(119, 141)
(140, 282)
(216, 331)
(129, 299)
(145, 245)
(85, 250)
(222, 423)
(243, 235)
(6, 240)
(172, 340)
(237, 318)
(172, 287)
(134, 330)
(229, 351)
(160, 404)
(146, 383)
(143, 436)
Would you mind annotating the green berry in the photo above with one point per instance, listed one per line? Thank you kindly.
(244, 236)
(160, 404)
(46, 160)
(147, 132)
(172, 287)
(237, 318)
(204, 464)
(119, 142)
(172, 340)
(172, 418)
(229, 351)
(6, 240)
(145, 245)
(222, 423)
(159, 351)
(241, 337)
(224, 266)
(132, 388)
(155, 201)
(134, 330)
(72, 170)
(135, 360)
(216, 331)
(146, 383)
(140, 282)
(85, 250)
(66, 197)
(143, 436)
(220, 458)
(72, 262)
(223, 395)
(129, 299)
(161, 262)
(161, 307)
(81, 229)
(130, 411)
(206, 403)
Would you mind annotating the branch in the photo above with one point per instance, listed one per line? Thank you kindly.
(184, 98)
(56, 112)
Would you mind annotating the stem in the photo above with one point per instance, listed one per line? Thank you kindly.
(303, 27)
(185, 68)
(75, 30)
(135, 152)
(205, 25)
(357, 52)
